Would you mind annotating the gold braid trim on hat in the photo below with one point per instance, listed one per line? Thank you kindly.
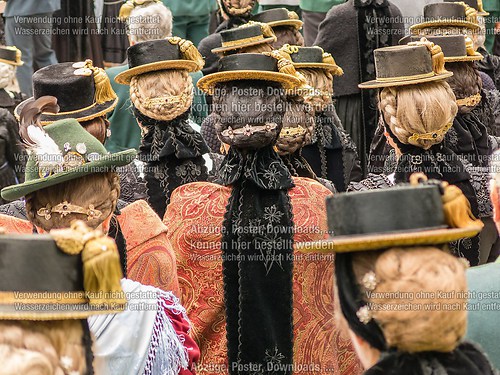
(436, 52)
(469, 45)
(267, 31)
(293, 15)
(188, 50)
(431, 135)
(328, 59)
(470, 101)
(470, 13)
(130, 5)
(66, 208)
(235, 43)
(285, 65)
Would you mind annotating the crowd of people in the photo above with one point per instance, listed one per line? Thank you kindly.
(238, 187)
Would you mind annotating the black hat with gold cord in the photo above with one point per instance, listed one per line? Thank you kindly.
(279, 17)
(273, 66)
(161, 54)
(83, 91)
(427, 214)
(414, 63)
(70, 274)
(456, 14)
(476, 4)
(247, 35)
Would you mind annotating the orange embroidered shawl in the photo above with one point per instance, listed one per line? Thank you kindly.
(194, 220)
(150, 258)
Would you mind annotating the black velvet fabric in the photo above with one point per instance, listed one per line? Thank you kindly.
(172, 152)
(87, 343)
(257, 247)
(466, 359)
(374, 31)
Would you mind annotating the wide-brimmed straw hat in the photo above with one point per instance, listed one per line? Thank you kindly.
(83, 91)
(161, 54)
(11, 55)
(414, 63)
(456, 48)
(476, 4)
(249, 34)
(46, 277)
(279, 17)
(405, 215)
(312, 58)
(272, 67)
(71, 152)
(447, 15)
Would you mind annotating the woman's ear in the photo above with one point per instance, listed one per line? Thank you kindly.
(367, 355)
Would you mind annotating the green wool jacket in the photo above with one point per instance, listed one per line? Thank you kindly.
(125, 133)
(483, 315)
(191, 7)
(320, 6)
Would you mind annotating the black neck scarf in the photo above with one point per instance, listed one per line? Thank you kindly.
(374, 31)
(257, 249)
(172, 152)
(298, 166)
(469, 137)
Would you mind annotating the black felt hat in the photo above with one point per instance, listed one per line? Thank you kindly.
(447, 15)
(252, 66)
(249, 34)
(407, 65)
(404, 215)
(11, 55)
(161, 54)
(279, 17)
(455, 47)
(312, 58)
(83, 91)
(476, 4)
(43, 276)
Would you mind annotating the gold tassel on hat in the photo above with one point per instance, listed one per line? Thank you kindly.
(102, 271)
(456, 206)
(328, 59)
(103, 90)
(188, 50)
(436, 52)
(130, 5)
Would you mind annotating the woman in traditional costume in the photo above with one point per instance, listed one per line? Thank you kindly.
(256, 305)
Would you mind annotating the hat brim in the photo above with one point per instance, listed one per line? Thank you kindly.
(346, 244)
(12, 62)
(379, 84)
(271, 39)
(102, 165)
(475, 57)
(125, 77)
(207, 83)
(55, 311)
(437, 23)
(85, 114)
(330, 67)
(295, 23)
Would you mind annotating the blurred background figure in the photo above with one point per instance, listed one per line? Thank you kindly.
(191, 18)
(291, 5)
(313, 13)
(22, 18)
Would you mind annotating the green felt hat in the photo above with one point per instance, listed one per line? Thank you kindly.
(77, 154)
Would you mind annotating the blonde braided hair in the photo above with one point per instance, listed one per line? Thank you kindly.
(418, 109)
(321, 81)
(423, 270)
(101, 190)
(162, 95)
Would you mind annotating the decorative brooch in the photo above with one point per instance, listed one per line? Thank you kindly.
(369, 281)
(364, 314)
(66, 208)
(248, 130)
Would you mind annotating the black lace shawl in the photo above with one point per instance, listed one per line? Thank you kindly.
(172, 152)
(257, 249)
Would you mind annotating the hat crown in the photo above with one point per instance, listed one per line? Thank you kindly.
(304, 55)
(77, 146)
(451, 45)
(153, 51)
(402, 208)
(472, 3)
(444, 11)
(248, 61)
(241, 33)
(271, 15)
(402, 61)
(74, 88)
